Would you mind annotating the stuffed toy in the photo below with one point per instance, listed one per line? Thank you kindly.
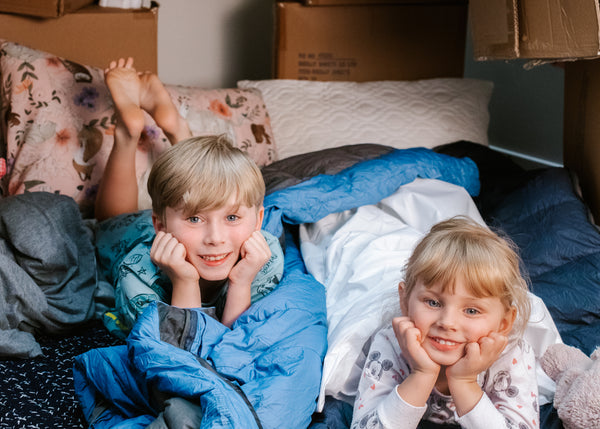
(577, 378)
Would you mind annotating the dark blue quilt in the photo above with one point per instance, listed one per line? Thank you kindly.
(560, 249)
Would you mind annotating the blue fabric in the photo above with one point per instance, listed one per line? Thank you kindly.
(274, 351)
(367, 182)
(560, 249)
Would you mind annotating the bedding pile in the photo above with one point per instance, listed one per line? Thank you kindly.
(48, 278)
(273, 352)
(301, 331)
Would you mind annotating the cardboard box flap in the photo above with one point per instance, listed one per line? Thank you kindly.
(369, 2)
(92, 35)
(370, 42)
(495, 28)
(559, 28)
(42, 8)
(535, 29)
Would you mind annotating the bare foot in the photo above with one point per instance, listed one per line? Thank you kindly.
(124, 85)
(155, 100)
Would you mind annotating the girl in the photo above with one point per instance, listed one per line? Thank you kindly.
(456, 356)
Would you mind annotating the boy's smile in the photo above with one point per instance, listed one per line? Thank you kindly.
(449, 321)
(213, 238)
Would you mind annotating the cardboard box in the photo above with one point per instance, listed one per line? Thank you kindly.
(92, 36)
(367, 2)
(42, 8)
(581, 150)
(366, 42)
(534, 29)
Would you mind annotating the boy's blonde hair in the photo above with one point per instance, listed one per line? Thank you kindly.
(460, 248)
(203, 173)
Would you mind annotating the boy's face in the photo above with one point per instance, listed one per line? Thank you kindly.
(213, 238)
(449, 321)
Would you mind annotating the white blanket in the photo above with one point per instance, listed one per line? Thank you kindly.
(359, 256)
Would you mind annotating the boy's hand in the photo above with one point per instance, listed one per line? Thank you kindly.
(170, 256)
(410, 338)
(255, 253)
(478, 357)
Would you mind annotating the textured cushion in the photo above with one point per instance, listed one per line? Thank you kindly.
(309, 115)
(58, 123)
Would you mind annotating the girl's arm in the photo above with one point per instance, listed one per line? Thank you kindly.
(378, 404)
(510, 393)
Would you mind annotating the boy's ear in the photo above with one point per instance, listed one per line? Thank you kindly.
(260, 214)
(506, 324)
(401, 295)
(157, 223)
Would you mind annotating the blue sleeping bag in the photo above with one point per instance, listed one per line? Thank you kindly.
(265, 371)
(560, 249)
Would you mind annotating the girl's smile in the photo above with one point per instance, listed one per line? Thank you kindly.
(449, 320)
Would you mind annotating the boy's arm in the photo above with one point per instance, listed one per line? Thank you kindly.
(169, 254)
(255, 253)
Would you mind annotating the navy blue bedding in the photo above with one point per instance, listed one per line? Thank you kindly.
(560, 250)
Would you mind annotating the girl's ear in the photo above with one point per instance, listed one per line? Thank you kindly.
(158, 224)
(506, 324)
(402, 296)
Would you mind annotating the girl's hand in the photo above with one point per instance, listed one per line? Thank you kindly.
(478, 357)
(462, 376)
(255, 253)
(170, 256)
(410, 338)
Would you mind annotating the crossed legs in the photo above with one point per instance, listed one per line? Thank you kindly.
(133, 93)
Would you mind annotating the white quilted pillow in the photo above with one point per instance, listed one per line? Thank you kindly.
(309, 115)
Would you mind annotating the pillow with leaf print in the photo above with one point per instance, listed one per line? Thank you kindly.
(58, 123)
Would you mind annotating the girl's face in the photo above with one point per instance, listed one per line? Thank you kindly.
(449, 321)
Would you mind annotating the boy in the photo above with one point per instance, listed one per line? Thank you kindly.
(206, 212)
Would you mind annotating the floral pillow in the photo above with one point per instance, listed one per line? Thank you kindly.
(58, 120)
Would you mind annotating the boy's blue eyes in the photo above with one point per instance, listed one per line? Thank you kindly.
(196, 219)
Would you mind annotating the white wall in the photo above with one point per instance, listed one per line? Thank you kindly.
(526, 110)
(215, 43)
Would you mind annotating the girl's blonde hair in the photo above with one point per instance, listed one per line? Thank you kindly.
(460, 248)
(203, 173)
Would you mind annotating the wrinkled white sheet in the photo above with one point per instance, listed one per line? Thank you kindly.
(359, 256)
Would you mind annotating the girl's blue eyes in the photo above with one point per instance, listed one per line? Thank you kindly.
(194, 219)
(436, 304)
(232, 218)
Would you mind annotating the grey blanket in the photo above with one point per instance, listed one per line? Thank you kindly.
(48, 275)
